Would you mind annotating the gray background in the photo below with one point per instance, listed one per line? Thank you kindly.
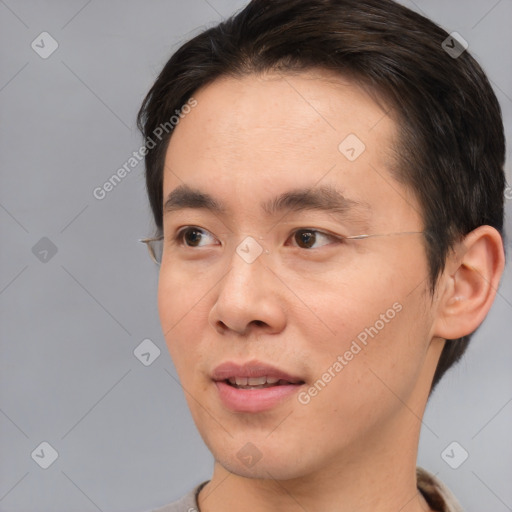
(70, 324)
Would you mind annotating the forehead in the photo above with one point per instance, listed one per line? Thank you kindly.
(281, 108)
(258, 135)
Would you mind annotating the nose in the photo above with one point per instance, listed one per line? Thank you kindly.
(249, 299)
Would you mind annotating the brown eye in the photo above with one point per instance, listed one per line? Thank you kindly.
(191, 236)
(306, 238)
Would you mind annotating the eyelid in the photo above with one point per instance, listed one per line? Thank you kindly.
(178, 237)
(327, 234)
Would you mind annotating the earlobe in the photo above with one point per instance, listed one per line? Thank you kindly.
(471, 280)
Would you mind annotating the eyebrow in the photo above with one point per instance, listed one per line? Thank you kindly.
(323, 198)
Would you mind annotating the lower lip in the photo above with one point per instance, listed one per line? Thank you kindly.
(254, 400)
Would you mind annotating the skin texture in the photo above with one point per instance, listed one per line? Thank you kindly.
(354, 445)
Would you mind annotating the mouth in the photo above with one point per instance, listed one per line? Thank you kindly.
(253, 374)
(254, 386)
(258, 382)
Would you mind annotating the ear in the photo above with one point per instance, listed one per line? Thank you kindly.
(469, 283)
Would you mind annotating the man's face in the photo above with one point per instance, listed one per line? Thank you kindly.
(355, 315)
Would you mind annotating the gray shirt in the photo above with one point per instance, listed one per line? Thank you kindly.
(438, 496)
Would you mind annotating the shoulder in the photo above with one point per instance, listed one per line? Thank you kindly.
(438, 496)
(187, 503)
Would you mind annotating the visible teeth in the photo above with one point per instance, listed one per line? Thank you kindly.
(256, 381)
(253, 381)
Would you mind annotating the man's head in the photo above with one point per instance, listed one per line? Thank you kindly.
(351, 97)
(450, 147)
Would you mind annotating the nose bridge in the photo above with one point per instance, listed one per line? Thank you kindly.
(250, 249)
(246, 294)
(246, 267)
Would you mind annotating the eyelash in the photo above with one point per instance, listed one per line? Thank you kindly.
(178, 237)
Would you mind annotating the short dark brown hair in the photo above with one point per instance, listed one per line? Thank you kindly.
(451, 151)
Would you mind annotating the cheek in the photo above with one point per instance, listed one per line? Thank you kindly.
(359, 384)
(180, 295)
(167, 300)
(383, 357)
(180, 303)
(380, 325)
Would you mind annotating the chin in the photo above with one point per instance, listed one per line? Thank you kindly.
(262, 460)
(281, 469)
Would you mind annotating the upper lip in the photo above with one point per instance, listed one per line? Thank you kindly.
(248, 369)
